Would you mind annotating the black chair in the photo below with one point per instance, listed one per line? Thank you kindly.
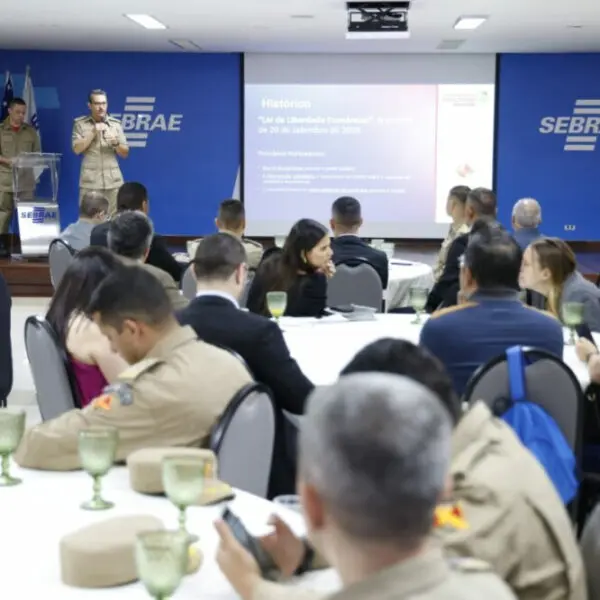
(355, 282)
(56, 389)
(243, 440)
(60, 255)
(6, 359)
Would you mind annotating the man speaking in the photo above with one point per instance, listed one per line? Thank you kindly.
(100, 139)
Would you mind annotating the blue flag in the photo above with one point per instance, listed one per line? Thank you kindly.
(7, 96)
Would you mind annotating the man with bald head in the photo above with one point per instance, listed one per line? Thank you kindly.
(374, 457)
(526, 219)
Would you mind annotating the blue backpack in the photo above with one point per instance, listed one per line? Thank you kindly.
(538, 431)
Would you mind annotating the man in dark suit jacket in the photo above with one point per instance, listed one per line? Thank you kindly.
(481, 204)
(134, 196)
(345, 222)
(220, 270)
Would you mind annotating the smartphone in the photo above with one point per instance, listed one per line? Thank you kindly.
(583, 331)
(268, 568)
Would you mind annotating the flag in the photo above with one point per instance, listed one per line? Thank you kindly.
(31, 116)
(9, 94)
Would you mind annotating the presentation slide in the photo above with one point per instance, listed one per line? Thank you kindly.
(397, 148)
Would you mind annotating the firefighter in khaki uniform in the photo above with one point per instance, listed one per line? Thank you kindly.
(172, 394)
(16, 137)
(100, 139)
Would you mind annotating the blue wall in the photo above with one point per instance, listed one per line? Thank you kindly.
(187, 172)
(533, 155)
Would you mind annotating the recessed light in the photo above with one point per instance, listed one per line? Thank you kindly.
(450, 44)
(302, 16)
(147, 21)
(186, 45)
(469, 22)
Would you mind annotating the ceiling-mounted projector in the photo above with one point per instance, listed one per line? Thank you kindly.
(377, 20)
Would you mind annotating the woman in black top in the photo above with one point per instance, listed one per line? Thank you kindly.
(301, 269)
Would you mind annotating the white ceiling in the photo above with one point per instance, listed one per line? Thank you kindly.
(268, 26)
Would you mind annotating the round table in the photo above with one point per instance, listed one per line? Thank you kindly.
(402, 276)
(34, 517)
(324, 347)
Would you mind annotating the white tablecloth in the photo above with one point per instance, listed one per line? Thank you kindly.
(403, 276)
(37, 514)
(324, 348)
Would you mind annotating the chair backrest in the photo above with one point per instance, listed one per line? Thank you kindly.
(60, 255)
(549, 382)
(355, 282)
(188, 283)
(590, 549)
(243, 440)
(246, 290)
(55, 386)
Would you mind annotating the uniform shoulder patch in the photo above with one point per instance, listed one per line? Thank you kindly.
(469, 565)
(119, 392)
(452, 309)
(132, 373)
(450, 516)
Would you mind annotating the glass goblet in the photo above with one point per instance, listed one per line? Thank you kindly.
(161, 559)
(97, 451)
(572, 315)
(12, 427)
(276, 303)
(183, 480)
(417, 297)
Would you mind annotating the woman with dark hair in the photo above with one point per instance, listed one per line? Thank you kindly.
(550, 268)
(301, 269)
(94, 364)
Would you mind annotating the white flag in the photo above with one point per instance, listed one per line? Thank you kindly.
(31, 115)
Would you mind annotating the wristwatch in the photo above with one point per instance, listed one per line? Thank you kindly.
(307, 561)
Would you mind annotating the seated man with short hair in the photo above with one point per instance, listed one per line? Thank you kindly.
(220, 271)
(172, 395)
(374, 453)
(93, 210)
(526, 220)
(130, 237)
(346, 221)
(232, 220)
(132, 195)
(491, 318)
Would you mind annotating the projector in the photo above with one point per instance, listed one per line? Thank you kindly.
(377, 20)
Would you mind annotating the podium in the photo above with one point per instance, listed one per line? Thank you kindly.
(35, 188)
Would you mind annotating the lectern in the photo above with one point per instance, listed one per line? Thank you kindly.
(35, 187)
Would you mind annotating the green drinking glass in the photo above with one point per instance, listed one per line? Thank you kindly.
(12, 427)
(97, 452)
(161, 559)
(276, 303)
(572, 315)
(417, 297)
(183, 480)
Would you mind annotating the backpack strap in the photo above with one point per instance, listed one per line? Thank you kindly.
(516, 374)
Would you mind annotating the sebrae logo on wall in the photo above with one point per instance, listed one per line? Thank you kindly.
(580, 130)
(139, 120)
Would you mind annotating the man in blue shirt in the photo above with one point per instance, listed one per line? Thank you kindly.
(526, 219)
(490, 317)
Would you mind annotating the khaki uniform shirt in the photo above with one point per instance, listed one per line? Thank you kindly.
(100, 166)
(176, 395)
(178, 300)
(453, 233)
(13, 143)
(425, 577)
(516, 520)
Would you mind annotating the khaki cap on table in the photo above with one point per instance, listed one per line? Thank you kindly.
(145, 472)
(103, 554)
